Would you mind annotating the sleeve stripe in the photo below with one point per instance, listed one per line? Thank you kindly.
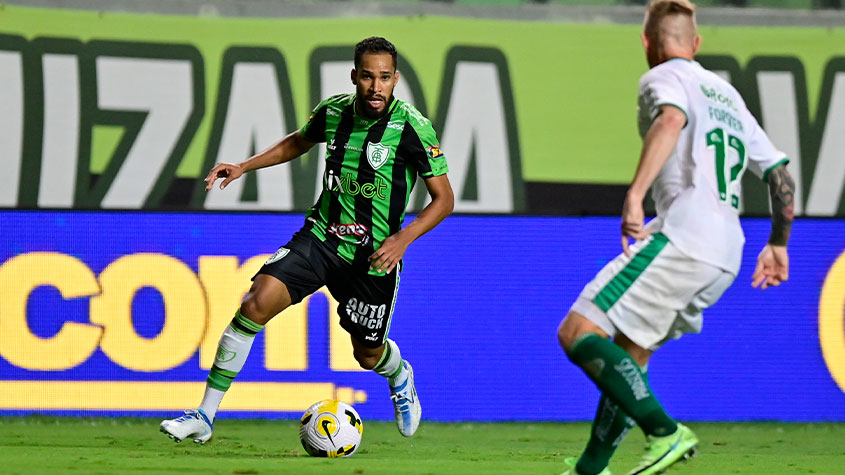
(782, 161)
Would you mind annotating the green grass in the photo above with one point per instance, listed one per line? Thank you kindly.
(40, 444)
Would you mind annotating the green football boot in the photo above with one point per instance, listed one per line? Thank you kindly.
(661, 452)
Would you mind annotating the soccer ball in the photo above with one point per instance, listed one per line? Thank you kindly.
(330, 428)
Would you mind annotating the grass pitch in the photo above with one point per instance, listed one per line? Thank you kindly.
(41, 444)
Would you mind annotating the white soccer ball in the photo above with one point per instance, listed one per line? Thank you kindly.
(330, 428)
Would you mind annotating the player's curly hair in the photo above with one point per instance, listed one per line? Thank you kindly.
(374, 44)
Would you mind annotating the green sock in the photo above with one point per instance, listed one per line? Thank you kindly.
(610, 426)
(620, 379)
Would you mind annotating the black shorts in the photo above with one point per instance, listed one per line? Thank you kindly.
(365, 301)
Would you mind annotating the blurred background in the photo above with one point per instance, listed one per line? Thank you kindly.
(118, 272)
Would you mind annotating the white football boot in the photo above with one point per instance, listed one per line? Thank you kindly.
(193, 424)
(406, 405)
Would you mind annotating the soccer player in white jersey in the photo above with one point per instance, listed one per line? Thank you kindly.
(698, 139)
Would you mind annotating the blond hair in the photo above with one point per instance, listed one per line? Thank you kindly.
(657, 10)
(670, 20)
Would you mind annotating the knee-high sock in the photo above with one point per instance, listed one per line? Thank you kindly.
(610, 426)
(620, 379)
(390, 365)
(232, 352)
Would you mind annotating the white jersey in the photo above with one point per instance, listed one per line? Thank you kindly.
(697, 191)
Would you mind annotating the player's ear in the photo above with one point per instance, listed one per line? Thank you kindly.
(644, 39)
(696, 43)
(353, 75)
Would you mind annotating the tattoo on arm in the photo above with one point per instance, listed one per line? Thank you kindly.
(781, 192)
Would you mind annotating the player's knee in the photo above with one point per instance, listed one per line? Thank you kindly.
(565, 334)
(253, 309)
(571, 329)
(366, 360)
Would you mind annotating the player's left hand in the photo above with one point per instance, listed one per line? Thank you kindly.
(388, 255)
(772, 267)
(633, 218)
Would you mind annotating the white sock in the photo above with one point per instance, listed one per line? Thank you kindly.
(211, 401)
(232, 352)
(391, 366)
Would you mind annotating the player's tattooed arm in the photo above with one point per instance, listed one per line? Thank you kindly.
(781, 192)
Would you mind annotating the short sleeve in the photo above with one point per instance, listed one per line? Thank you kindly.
(314, 129)
(659, 87)
(763, 157)
(422, 146)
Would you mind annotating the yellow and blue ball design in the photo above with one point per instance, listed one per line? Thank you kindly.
(330, 428)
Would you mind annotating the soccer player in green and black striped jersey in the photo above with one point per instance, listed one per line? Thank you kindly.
(352, 241)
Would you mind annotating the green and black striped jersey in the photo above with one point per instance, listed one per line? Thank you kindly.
(371, 167)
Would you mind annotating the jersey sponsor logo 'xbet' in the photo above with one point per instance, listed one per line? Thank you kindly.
(348, 185)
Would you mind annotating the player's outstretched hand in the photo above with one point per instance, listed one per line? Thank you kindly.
(228, 171)
(388, 255)
(772, 267)
(633, 218)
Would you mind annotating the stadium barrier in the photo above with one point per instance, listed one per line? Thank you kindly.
(120, 312)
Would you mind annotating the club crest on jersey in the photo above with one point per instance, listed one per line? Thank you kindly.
(377, 154)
